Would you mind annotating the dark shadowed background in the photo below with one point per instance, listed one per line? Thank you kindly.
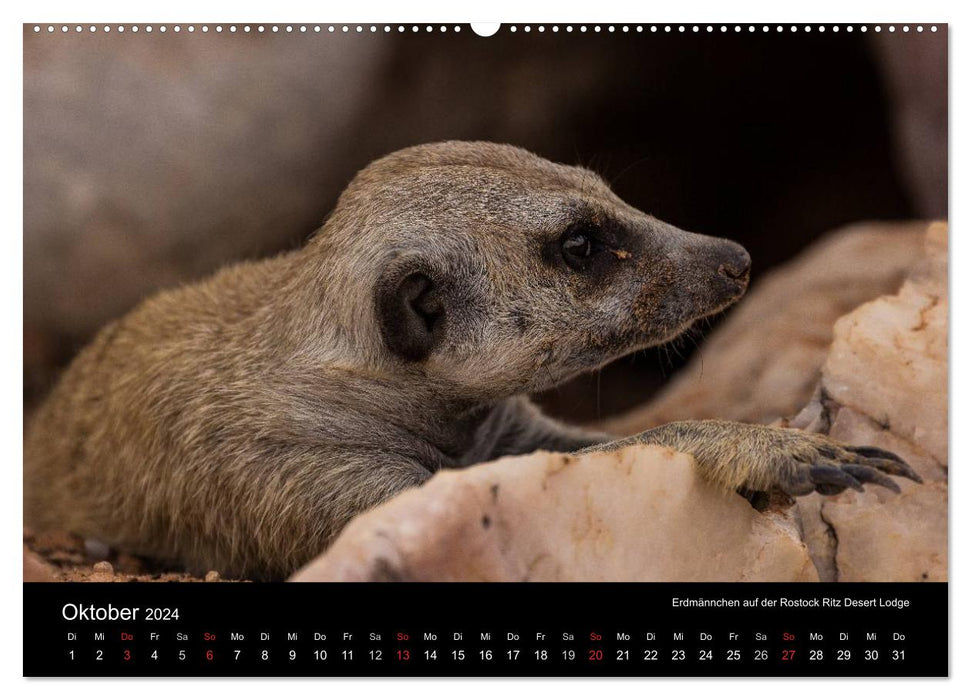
(152, 159)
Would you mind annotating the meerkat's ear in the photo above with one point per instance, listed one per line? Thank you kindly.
(411, 313)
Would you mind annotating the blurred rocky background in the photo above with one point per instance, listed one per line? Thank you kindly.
(153, 159)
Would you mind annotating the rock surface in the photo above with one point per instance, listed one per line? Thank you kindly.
(764, 362)
(639, 514)
(889, 357)
(884, 383)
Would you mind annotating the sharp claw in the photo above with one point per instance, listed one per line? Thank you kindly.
(872, 476)
(799, 488)
(825, 475)
(893, 467)
(866, 451)
(830, 489)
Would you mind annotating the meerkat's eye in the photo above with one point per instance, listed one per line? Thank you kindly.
(579, 244)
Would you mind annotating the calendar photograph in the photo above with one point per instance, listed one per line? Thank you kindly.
(535, 303)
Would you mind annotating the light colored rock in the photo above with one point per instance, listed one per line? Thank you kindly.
(878, 535)
(640, 514)
(764, 362)
(889, 357)
(885, 538)
(885, 384)
(102, 572)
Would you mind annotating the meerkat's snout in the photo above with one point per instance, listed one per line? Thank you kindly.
(723, 265)
(689, 276)
(734, 268)
(737, 264)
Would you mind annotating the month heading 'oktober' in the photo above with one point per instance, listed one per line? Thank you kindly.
(81, 612)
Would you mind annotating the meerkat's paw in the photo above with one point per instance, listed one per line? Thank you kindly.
(757, 458)
(819, 464)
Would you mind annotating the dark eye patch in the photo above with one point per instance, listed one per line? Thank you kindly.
(580, 243)
(591, 246)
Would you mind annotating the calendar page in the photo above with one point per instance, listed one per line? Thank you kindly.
(396, 349)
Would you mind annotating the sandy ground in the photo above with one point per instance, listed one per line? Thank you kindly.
(62, 556)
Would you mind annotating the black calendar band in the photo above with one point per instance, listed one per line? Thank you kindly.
(472, 629)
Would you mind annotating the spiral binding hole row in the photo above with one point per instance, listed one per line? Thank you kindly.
(428, 28)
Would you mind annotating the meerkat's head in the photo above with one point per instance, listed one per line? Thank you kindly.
(495, 271)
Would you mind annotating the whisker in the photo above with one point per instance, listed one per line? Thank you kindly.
(614, 180)
(553, 384)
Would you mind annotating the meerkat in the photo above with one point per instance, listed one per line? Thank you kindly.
(239, 423)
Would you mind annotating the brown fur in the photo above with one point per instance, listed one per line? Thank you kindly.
(240, 422)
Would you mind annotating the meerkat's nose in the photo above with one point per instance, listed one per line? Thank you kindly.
(737, 263)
